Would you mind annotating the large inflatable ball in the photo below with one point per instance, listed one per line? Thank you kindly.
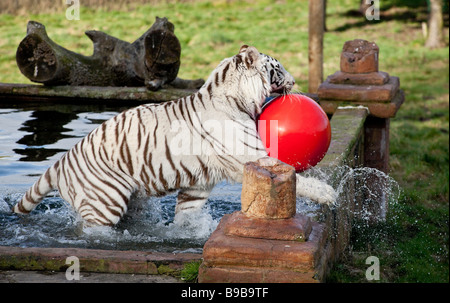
(295, 130)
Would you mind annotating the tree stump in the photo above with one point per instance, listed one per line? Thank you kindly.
(152, 60)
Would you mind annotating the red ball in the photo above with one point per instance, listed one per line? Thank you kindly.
(295, 130)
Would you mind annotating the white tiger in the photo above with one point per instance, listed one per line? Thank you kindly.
(132, 152)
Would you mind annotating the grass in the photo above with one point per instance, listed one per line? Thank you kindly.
(190, 271)
(412, 244)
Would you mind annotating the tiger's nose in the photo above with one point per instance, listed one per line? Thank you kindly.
(290, 81)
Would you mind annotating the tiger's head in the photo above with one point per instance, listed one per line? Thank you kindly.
(280, 80)
(249, 77)
(270, 69)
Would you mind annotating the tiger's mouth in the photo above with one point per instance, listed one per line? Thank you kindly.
(284, 89)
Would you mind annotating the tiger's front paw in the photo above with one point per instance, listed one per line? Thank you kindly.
(327, 195)
(316, 190)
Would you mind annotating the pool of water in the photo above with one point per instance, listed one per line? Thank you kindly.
(31, 139)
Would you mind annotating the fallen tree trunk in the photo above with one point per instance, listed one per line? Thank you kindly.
(152, 60)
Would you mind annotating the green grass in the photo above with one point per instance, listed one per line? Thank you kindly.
(190, 271)
(412, 244)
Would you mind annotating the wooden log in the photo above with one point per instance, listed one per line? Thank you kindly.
(152, 60)
(435, 38)
(315, 48)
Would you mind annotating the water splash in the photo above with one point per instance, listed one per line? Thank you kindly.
(373, 192)
(149, 223)
(366, 194)
(147, 226)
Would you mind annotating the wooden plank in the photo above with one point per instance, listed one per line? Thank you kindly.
(30, 92)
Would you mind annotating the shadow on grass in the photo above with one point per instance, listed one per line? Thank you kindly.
(394, 10)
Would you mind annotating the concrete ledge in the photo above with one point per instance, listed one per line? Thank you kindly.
(31, 92)
(346, 130)
(93, 260)
(16, 276)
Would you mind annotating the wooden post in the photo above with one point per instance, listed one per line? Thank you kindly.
(315, 51)
(376, 146)
(435, 25)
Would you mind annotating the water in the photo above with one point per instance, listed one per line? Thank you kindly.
(147, 226)
(31, 140)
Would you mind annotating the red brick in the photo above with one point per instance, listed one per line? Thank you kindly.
(296, 228)
(228, 258)
(253, 275)
(379, 110)
(375, 78)
(359, 93)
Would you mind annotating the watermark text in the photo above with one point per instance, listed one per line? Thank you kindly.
(373, 271)
(73, 271)
(73, 11)
(372, 11)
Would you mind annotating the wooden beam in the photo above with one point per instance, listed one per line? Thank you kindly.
(315, 51)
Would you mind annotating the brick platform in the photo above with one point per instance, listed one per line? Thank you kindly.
(266, 241)
(231, 258)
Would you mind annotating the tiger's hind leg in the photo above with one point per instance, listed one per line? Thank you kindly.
(190, 201)
(99, 210)
(100, 197)
(96, 214)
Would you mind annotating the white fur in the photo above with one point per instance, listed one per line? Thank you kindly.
(139, 150)
(316, 190)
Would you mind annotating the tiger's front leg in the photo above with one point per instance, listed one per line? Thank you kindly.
(315, 190)
(189, 201)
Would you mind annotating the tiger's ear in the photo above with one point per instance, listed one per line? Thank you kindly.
(243, 48)
(251, 55)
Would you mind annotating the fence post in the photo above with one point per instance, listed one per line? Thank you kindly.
(315, 46)
(359, 82)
